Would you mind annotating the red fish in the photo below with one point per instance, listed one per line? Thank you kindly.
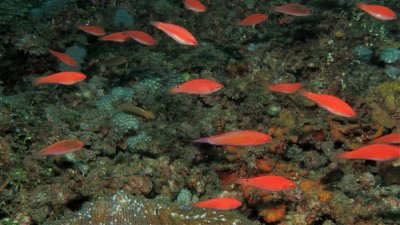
(178, 33)
(237, 138)
(393, 138)
(269, 183)
(93, 30)
(64, 58)
(219, 203)
(253, 19)
(377, 11)
(287, 88)
(115, 37)
(376, 152)
(294, 9)
(65, 78)
(331, 103)
(61, 147)
(194, 5)
(197, 86)
(141, 37)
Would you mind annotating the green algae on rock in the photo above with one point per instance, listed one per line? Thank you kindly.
(124, 209)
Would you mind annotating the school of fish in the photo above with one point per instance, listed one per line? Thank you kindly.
(381, 149)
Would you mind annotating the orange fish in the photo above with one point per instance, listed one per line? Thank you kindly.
(178, 33)
(61, 147)
(393, 138)
(64, 58)
(194, 5)
(287, 88)
(237, 138)
(93, 30)
(377, 11)
(141, 37)
(115, 37)
(331, 103)
(65, 78)
(294, 9)
(198, 87)
(219, 203)
(253, 19)
(269, 183)
(376, 152)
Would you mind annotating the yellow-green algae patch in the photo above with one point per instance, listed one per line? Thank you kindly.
(384, 101)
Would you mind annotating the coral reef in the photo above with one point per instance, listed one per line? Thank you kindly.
(125, 209)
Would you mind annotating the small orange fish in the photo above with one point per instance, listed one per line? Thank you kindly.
(269, 183)
(253, 19)
(115, 37)
(287, 88)
(64, 58)
(141, 37)
(65, 78)
(393, 138)
(376, 152)
(219, 203)
(294, 9)
(331, 103)
(61, 147)
(237, 138)
(198, 87)
(194, 5)
(377, 11)
(93, 30)
(178, 33)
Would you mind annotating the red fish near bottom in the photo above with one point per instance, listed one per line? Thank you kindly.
(61, 147)
(237, 138)
(219, 203)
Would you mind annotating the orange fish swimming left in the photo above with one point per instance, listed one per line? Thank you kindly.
(64, 58)
(65, 78)
(61, 147)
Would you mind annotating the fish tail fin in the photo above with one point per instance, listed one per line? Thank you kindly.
(240, 181)
(202, 140)
(173, 90)
(302, 91)
(360, 5)
(154, 23)
(37, 155)
(37, 81)
(342, 155)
